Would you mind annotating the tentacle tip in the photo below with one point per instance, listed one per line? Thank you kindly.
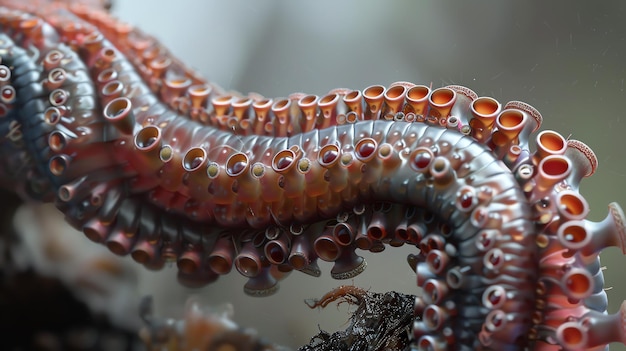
(620, 223)
(586, 151)
(312, 270)
(254, 291)
(407, 85)
(342, 273)
(460, 89)
(533, 112)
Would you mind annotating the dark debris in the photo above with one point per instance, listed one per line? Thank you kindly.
(380, 322)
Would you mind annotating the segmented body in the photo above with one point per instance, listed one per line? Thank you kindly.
(146, 157)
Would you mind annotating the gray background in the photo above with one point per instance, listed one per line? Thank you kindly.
(566, 58)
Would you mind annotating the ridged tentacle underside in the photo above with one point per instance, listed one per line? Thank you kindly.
(147, 158)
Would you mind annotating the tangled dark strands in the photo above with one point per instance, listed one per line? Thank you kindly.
(380, 321)
(144, 156)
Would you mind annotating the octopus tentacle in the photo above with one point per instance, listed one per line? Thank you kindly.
(147, 158)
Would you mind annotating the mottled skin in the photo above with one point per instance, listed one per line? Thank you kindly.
(144, 156)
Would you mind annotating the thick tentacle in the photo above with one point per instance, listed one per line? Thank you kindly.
(150, 160)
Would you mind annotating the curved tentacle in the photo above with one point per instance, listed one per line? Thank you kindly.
(147, 158)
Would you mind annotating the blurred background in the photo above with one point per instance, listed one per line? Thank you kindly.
(566, 58)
